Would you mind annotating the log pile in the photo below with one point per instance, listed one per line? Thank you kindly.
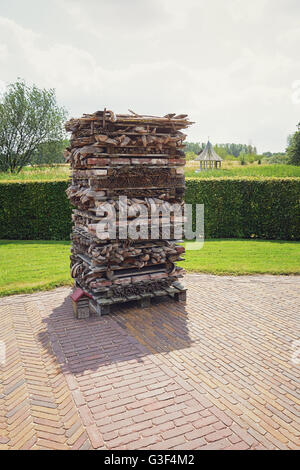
(141, 158)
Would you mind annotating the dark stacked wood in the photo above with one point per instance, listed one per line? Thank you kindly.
(142, 158)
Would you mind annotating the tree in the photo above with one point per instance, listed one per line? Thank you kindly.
(293, 150)
(49, 153)
(221, 151)
(194, 147)
(29, 117)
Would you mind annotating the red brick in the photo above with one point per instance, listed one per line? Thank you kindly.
(82, 440)
(218, 445)
(123, 440)
(146, 416)
(158, 405)
(202, 422)
(201, 399)
(85, 415)
(177, 431)
(217, 435)
(136, 427)
(219, 425)
(78, 398)
(109, 436)
(149, 393)
(234, 439)
(200, 432)
(106, 360)
(103, 421)
(194, 444)
(167, 417)
(243, 434)
(139, 403)
(115, 410)
(174, 442)
(117, 425)
(166, 396)
(127, 414)
(238, 446)
(146, 441)
(94, 436)
(191, 418)
(221, 415)
(96, 408)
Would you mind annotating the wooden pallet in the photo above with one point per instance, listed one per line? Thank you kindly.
(100, 306)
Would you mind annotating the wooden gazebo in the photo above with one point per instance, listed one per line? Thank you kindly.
(208, 158)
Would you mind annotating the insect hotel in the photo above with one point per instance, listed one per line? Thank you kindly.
(127, 170)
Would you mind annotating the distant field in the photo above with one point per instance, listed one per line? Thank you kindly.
(233, 169)
(46, 173)
(229, 169)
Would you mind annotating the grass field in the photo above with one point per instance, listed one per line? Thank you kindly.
(229, 169)
(233, 169)
(46, 173)
(236, 257)
(28, 266)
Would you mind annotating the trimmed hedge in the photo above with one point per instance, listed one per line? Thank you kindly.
(234, 208)
(248, 207)
(35, 211)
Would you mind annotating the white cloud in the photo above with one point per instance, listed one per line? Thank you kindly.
(221, 62)
(250, 11)
(3, 51)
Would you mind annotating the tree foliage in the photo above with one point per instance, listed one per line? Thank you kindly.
(29, 117)
(190, 156)
(279, 158)
(293, 150)
(223, 149)
(237, 149)
(49, 153)
(194, 147)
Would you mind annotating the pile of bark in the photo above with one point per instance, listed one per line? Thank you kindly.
(141, 158)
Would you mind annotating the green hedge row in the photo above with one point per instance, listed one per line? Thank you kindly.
(234, 208)
(34, 211)
(248, 208)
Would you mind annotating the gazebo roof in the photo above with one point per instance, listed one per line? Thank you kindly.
(208, 154)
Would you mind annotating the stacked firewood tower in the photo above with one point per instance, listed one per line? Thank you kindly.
(132, 163)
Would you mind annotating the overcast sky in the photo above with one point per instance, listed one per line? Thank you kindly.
(230, 64)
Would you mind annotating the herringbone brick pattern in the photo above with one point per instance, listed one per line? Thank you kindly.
(37, 409)
(213, 374)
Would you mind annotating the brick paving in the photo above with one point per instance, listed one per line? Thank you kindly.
(215, 373)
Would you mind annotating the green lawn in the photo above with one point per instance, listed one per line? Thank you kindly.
(28, 266)
(275, 171)
(46, 173)
(229, 169)
(244, 257)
